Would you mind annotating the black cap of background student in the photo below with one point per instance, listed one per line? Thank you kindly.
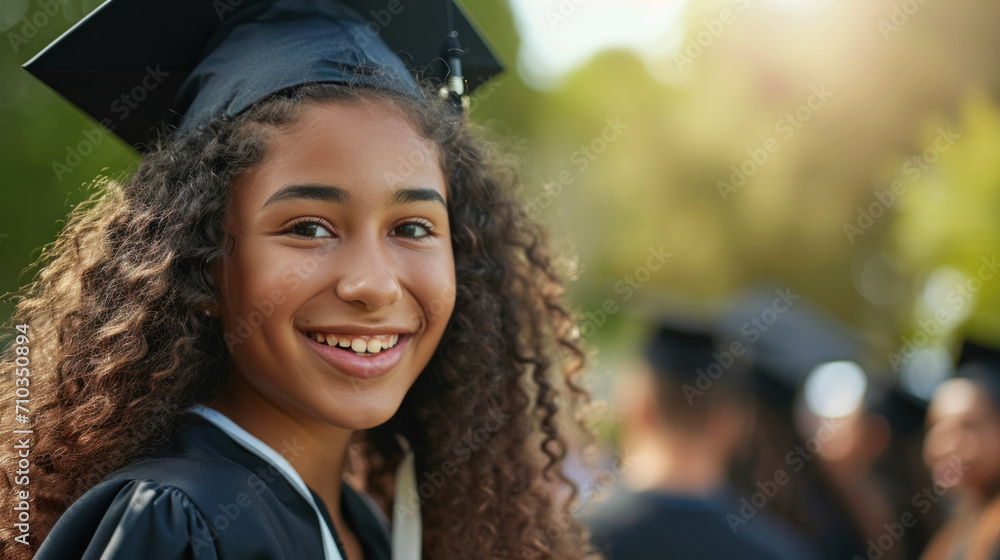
(679, 347)
(134, 64)
(786, 337)
(980, 363)
(685, 347)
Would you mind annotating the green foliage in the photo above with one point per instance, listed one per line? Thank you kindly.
(948, 216)
(670, 133)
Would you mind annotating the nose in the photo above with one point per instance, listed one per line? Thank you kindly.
(369, 276)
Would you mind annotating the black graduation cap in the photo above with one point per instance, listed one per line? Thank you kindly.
(684, 347)
(980, 364)
(786, 340)
(134, 64)
(680, 346)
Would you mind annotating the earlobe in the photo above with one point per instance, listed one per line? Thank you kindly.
(211, 308)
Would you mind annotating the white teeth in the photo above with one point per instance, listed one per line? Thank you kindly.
(360, 345)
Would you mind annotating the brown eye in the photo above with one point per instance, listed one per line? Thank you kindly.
(412, 229)
(309, 229)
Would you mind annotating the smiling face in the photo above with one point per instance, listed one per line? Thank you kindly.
(962, 446)
(341, 279)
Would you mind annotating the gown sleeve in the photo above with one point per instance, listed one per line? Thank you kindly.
(128, 520)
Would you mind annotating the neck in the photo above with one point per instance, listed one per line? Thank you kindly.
(315, 449)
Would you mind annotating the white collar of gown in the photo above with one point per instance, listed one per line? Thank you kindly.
(407, 529)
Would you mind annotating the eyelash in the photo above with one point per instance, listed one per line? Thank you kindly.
(422, 223)
(289, 229)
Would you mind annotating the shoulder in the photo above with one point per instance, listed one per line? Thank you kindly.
(637, 525)
(122, 518)
(778, 536)
(192, 501)
(618, 512)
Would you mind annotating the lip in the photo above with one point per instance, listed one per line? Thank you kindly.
(352, 365)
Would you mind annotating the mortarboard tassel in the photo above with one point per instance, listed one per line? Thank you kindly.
(454, 83)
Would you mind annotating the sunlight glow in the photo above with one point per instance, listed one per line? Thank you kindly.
(560, 35)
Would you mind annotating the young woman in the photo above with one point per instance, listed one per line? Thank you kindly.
(337, 280)
(962, 451)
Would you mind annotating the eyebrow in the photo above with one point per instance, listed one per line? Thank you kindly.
(324, 193)
(338, 195)
(403, 196)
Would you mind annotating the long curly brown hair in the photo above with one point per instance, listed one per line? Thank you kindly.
(119, 347)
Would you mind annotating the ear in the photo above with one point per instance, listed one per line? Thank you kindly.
(210, 310)
(213, 308)
(646, 406)
(633, 397)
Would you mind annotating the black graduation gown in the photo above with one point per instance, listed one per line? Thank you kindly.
(653, 525)
(204, 496)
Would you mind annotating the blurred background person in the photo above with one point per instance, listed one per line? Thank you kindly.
(685, 414)
(845, 148)
(786, 341)
(900, 468)
(876, 488)
(962, 451)
(812, 423)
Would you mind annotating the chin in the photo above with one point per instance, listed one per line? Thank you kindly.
(363, 414)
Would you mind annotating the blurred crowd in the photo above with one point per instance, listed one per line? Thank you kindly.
(762, 431)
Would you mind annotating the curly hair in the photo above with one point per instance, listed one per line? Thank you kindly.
(119, 347)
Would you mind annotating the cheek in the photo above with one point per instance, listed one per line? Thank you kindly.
(432, 282)
(979, 453)
(264, 267)
(258, 286)
(990, 452)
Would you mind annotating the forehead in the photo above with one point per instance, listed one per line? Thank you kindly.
(957, 397)
(363, 146)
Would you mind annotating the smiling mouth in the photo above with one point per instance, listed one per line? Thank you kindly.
(362, 345)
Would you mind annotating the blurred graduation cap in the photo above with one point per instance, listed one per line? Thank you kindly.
(681, 334)
(679, 347)
(786, 341)
(134, 64)
(980, 364)
(685, 347)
